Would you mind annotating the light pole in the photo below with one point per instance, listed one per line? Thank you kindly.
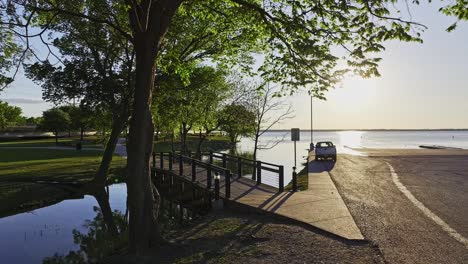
(311, 125)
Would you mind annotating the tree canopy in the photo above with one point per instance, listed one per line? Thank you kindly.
(9, 114)
(55, 120)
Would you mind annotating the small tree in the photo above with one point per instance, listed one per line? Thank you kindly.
(9, 114)
(55, 120)
(80, 118)
(237, 120)
(269, 111)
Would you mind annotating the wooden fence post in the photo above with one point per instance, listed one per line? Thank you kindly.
(194, 171)
(208, 177)
(239, 167)
(224, 160)
(281, 178)
(259, 172)
(161, 159)
(227, 176)
(181, 166)
(211, 157)
(170, 160)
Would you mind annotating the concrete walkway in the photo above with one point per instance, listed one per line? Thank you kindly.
(320, 206)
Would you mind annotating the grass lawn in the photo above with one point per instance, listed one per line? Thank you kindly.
(302, 181)
(20, 169)
(212, 143)
(19, 165)
(88, 142)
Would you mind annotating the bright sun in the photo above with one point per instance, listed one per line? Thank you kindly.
(353, 91)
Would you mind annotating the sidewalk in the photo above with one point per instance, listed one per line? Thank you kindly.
(320, 206)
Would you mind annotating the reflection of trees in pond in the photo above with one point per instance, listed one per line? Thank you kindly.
(98, 242)
(107, 233)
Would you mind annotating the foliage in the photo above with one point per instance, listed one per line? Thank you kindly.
(96, 68)
(237, 120)
(192, 105)
(80, 117)
(458, 9)
(9, 50)
(9, 114)
(55, 120)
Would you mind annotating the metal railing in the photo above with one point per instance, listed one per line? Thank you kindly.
(175, 160)
(258, 166)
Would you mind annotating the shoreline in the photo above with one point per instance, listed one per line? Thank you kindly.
(409, 152)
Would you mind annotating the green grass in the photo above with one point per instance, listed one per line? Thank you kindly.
(18, 165)
(212, 143)
(302, 181)
(88, 142)
(20, 169)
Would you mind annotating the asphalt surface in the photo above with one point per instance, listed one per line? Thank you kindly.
(389, 219)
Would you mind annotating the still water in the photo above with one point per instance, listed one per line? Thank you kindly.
(42, 233)
(283, 152)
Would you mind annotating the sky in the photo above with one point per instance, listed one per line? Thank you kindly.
(423, 86)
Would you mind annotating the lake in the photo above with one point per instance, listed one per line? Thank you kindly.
(283, 153)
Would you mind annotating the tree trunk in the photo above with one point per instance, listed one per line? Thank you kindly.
(81, 134)
(56, 138)
(184, 132)
(201, 138)
(172, 141)
(101, 175)
(254, 172)
(103, 200)
(142, 197)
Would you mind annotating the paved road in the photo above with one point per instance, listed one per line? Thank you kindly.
(404, 233)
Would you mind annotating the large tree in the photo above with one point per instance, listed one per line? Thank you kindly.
(97, 70)
(298, 41)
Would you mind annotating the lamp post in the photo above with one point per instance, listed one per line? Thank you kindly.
(311, 148)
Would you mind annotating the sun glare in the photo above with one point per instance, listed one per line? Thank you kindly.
(354, 92)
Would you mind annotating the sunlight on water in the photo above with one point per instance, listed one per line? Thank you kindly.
(351, 138)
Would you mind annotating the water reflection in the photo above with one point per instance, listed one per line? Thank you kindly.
(85, 229)
(105, 236)
(64, 230)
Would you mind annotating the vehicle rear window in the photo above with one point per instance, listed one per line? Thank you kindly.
(325, 144)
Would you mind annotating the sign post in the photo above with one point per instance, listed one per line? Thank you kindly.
(295, 136)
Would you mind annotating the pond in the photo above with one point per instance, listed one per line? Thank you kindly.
(83, 229)
(33, 236)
